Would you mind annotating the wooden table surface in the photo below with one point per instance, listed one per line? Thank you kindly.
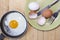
(32, 34)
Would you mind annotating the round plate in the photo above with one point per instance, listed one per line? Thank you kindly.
(43, 3)
(22, 24)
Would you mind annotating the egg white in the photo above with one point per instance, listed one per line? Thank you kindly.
(21, 24)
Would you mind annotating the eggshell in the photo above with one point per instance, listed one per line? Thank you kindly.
(42, 20)
(32, 14)
(33, 6)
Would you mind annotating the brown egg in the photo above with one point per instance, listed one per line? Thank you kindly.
(47, 13)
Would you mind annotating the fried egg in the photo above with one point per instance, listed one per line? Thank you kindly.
(15, 24)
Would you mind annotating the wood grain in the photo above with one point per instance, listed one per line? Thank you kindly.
(31, 34)
(4, 6)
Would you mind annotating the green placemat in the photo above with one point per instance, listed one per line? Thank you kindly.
(43, 3)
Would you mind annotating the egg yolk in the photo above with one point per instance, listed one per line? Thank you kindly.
(13, 24)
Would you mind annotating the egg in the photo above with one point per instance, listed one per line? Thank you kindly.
(32, 14)
(15, 23)
(41, 20)
(47, 13)
(33, 6)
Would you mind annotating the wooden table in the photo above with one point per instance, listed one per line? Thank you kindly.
(32, 34)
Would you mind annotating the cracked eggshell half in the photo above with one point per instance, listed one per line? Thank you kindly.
(41, 20)
(33, 6)
(32, 14)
